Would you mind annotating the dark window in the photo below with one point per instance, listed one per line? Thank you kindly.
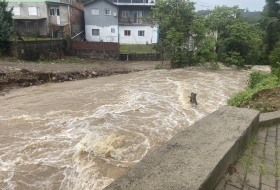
(107, 11)
(127, 32)
(141, 33)
(95, 32)
(52, 11)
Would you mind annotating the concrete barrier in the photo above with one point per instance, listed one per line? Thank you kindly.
(197, 157)
(269, 119)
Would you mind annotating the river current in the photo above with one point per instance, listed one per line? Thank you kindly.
(84, 134)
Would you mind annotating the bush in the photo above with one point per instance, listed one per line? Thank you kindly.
(276, 72)
(274, 56)
(255, 78)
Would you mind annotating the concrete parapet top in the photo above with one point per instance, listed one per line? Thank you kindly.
(197, 157)
(269, 119)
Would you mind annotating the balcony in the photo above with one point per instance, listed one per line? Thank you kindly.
(134, 2)
(131, 21)
(128, 21)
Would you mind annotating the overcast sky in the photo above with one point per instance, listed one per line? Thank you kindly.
(253, 5)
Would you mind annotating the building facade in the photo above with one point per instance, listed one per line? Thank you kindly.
(57, 18)
(119, 21)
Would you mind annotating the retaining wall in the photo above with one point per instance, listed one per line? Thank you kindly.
(197, 157)
(144, 57)
(32, 51)
(98, 50)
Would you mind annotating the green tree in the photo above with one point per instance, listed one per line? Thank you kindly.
(270, 24)
(5, 26)
(203, 42)
(181, 32)
(238, 41)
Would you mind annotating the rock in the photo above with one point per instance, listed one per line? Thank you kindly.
(24, 71)
(2, 73)
(54, 79)
(94, 73)
(63, 77)
(25, 84)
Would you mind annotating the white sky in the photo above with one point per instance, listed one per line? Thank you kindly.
(253, 5)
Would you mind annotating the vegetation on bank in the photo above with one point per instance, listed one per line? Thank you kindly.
(262, 93)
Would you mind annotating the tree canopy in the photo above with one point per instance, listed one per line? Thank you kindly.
(5, 26)
(181, 31)
(238, 41)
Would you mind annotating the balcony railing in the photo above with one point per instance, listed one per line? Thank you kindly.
(150, 2)
(134, 21)
(130, 21)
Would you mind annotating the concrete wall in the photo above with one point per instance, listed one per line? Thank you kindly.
(197, 157)
(96, 50)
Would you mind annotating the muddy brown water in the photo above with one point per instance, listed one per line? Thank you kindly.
(84, 134)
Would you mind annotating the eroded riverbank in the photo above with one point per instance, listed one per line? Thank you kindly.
(15, 75)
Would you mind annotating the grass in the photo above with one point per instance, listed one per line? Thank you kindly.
(125, 48)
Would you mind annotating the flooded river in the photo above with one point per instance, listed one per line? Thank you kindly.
(84, 134)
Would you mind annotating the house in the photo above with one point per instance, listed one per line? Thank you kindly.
(119, 21)
(56, 18)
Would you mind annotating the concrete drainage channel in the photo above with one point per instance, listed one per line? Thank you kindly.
(198, 157)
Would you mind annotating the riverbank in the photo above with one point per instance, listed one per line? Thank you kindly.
(20, 74)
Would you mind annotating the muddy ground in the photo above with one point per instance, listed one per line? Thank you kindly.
(20, 74)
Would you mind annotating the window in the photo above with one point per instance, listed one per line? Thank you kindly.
(16, 11)
(141, 33)
(127, 32)
(137, 17)
(95, 11)
(107, 11)
(125, 14)
(112, 30)
(95, 32)
(54, 11)
(33, 11)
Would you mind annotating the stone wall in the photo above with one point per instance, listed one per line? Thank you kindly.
(32, 51)
(144, 57)
(97, 50)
